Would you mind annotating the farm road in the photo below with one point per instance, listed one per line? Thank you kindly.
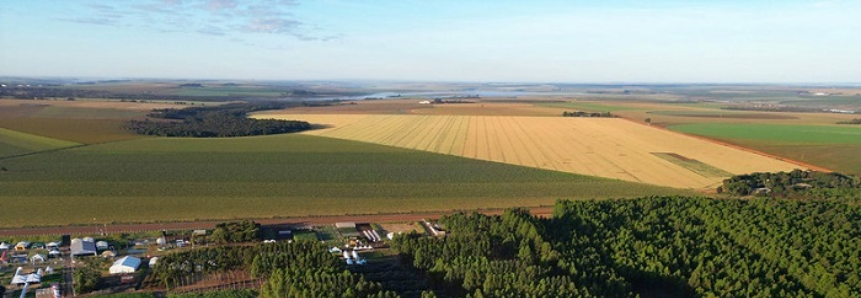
(125, 228)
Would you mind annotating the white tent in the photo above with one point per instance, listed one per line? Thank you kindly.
(153, 261)
(125, 264)
(37, 258)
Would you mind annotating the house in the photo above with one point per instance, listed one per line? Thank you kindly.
(37, 258)
(127, 264)
(83, 248)
(22, 246)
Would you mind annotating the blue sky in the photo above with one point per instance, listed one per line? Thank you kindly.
(512, 41)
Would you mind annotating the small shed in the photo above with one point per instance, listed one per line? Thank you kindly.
(54, 253)
(101, 245)
(4, 246)
(52, 245)
(22, 246)
(127, 264)
(37, 245)
(37, 258)
(153, 261)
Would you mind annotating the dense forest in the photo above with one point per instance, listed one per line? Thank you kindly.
(227, 120)
(649, 247)
(796, 184)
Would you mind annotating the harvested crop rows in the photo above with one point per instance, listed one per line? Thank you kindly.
(612, 148)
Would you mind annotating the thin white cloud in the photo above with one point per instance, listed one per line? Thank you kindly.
(228, 18)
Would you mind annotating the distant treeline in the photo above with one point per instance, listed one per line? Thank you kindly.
(853, 121)
(47, 92)
(227, 120)
(795, 184)
(590, 115)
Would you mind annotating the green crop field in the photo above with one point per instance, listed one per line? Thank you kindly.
(797, 134)
(86, 131)
(16, 143)
(164, 179)
(830, 146)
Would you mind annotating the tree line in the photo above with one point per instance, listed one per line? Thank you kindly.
(854, 121)
(794, 184)
(586, 114)
(227, 120)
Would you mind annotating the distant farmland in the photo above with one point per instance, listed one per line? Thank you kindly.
(832, 146)
(158, 179)
(612, 148)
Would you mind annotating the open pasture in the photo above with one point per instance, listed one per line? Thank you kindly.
(158, 179)
(605, 147)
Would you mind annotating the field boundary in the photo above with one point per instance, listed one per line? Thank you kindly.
(739, 147)
(543, 211)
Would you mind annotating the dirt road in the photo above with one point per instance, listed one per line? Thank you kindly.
(126, 228)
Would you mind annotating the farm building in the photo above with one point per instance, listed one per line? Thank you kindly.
(22, 246)
(125, 264)
(83, 248)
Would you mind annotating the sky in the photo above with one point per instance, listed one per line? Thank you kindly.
(571, 41)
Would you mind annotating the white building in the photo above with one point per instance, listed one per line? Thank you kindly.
(125, 264)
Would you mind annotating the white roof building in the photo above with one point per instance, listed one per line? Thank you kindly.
(83, 248)
(102, 245)
(125, 264)
(4, 246)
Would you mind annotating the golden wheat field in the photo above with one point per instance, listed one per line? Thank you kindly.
(605, 147)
